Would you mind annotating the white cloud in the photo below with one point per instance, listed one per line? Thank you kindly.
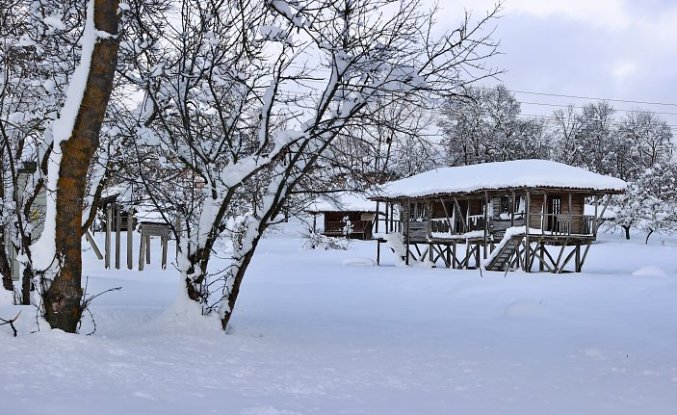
(623, 70)
(609, 14)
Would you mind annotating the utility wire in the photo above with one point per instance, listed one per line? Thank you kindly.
(627, 101)
(578, 107)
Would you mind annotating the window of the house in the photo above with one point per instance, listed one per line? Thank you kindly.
(556, 205)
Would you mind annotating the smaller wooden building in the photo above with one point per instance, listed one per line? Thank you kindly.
(344, 214)
(497, 215)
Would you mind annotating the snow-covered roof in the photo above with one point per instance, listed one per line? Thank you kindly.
(342, 202)
(498, 176)
(148, 213)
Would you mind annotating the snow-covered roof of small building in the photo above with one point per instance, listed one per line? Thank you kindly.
(499, 176)
(342, 202)
(148, 213)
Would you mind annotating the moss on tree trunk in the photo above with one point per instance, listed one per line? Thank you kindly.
(63, 299)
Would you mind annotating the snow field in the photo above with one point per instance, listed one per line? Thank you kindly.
(324, 332)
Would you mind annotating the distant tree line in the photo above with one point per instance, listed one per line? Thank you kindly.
(488, 126)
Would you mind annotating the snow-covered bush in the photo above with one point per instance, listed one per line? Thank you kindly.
(315, 240)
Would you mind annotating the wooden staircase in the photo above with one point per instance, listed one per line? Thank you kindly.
(501, 261)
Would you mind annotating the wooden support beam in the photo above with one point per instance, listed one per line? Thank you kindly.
(164, 240)
(377, 216)
(92, 243)
(585, 254)
(386, 224)
(512, 208)
(594, 222)
(552, 260)
(543, 263)
(527, 242)
(566, 260)
(428, 213)
(571, 222)
(107, 248)
(452, 259)
(378, 250)
(486, 223)
(407, 222)
(544, 213)
(118, 234)
(392, 214)
(147, 249)
(130, 239)
(466, 260)
(561, 252)
(478, 262)
(142, 250)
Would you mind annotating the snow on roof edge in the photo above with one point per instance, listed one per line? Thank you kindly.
(508, 175)
(342, 202)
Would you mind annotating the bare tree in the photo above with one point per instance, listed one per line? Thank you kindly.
(243, 101)
(485, 126)
(566, 125)
(649, 137)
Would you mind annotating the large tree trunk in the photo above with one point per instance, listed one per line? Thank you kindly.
(63, 300)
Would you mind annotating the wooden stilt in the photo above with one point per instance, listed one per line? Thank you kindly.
(452, 250)
(378, 251)
(527, 246)
(486, 224)
(118, 234)
(163, 240)
(147, 249)
(109, 219)
(561, 252)
(377, 216)
(130, 239)
(386, 225)
(567, 259)
(142, 251)
(407, 225)
(594, 222)
(585, 254)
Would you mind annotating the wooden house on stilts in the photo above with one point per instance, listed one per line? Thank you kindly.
(527, 214)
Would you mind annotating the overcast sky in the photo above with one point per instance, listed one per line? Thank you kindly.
(599, 48)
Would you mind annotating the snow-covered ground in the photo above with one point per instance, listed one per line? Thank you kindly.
(326, 332)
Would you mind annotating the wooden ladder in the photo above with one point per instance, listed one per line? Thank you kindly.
(503, 257)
